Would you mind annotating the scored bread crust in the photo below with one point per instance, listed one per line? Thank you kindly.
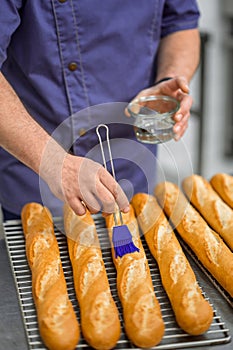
(207, 245)
(210, 205)
(58, 325)
(223, 185)
(99, 315)
(192, 311)
(143, 321)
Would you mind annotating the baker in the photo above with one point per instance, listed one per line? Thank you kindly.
(60, 58)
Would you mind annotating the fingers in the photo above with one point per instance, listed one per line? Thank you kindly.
(185, 106)
(109, 185)
(185, 99)
(105, 199)
(122, 200)
(99, 190)
(100, 200)
(183, 114)
(180, 128)
(179, 82)
(77, 205)
(172, 87)
(87, 184)
(135, 108)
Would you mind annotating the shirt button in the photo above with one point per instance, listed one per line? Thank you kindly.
(62, 1)
(72, 66)
(82, 132)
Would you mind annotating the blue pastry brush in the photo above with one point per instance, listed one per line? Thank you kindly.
(121, 236)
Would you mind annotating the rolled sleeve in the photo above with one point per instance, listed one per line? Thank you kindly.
(179, 15)
(10, 20)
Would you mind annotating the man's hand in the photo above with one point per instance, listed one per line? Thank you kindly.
(83, 183)
(177, 88)
(178, 57)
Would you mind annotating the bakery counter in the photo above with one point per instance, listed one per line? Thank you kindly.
(12, 323)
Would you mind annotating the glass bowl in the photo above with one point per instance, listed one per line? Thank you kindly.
(153, 118)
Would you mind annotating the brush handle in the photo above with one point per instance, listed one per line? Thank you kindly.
(108, 145)
(111, 160)
(120, 216)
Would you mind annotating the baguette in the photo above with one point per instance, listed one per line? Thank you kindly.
(58, 325)
(192, 311)
(99, 315)
(223, 185)
(205, 243)
(214, 210)
(141, 311)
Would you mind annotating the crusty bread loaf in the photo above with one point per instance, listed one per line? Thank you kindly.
(57, 321)
(205, 243)
(223, 185)
(141, 311)
(99, 315)
(192, 311)
(214, 210)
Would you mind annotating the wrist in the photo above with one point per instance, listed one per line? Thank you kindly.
(52, 161)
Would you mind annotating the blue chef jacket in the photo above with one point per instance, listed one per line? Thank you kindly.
(63, 57)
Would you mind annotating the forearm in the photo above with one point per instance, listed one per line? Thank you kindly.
(73, 179)
(179, 54)
(20, 135)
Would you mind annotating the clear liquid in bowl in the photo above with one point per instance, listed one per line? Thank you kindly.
(154, 131)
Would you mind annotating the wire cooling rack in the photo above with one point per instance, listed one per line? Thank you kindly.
(174, 337)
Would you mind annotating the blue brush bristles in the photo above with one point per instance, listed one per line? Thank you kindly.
(122, 241)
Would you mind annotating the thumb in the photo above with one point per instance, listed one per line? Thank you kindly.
(183, 84)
